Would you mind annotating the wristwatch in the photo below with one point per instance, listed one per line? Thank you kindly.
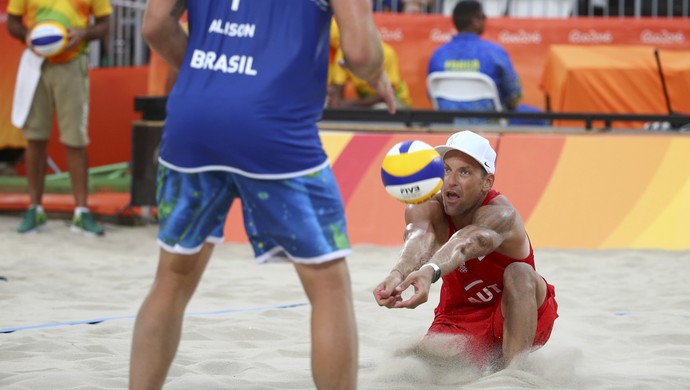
(437, 271)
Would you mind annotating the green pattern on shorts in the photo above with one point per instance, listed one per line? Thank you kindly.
(165, 207)
(339, 237)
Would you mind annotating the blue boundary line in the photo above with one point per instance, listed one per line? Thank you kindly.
(637, 314)
(199, 313)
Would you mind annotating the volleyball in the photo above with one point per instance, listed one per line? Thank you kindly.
(412, 171)
(48, 38)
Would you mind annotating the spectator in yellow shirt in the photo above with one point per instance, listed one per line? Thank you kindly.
(339, 76)
(63, 90)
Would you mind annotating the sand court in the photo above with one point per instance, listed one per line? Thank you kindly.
(624, 319)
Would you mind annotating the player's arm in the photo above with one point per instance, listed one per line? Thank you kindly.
(163, 32)
(419, 237)
(491, 226)
(419, 245)
(361, 45)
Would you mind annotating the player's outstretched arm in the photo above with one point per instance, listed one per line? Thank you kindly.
(420, 244)
(491, 226)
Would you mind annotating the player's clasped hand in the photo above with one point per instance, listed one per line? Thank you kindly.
(421, 282)
(385, 294)
(389, 293)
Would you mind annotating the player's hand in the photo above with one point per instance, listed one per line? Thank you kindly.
(421, 281)
(383, 88)
(385, 294)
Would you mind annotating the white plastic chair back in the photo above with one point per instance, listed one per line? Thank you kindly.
(541, 8)
(462, 87)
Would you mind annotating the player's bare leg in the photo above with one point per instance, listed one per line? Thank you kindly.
(523, 293)
(158, 326)
(333, 327)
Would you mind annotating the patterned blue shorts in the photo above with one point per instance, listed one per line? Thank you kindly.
(299, 219)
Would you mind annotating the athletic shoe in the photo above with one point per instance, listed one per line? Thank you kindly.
(32, 220)
(85, 223)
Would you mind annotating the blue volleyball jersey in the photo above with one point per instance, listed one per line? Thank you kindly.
(251, 89)
(467, 52)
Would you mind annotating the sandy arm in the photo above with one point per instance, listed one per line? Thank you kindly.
(491, 226)
(420, 243)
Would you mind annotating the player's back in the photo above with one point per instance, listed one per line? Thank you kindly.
(253, 81)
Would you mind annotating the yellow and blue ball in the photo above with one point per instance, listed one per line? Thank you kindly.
(412, 171)
(48, 38)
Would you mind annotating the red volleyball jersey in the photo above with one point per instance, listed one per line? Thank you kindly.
(478, 283)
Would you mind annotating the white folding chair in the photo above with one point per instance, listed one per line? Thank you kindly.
(462, 87)
(541, 8)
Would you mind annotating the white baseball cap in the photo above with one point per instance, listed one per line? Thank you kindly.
(473, 145)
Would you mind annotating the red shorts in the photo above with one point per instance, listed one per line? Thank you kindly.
(483, 327)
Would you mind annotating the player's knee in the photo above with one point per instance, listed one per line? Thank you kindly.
(519, 279)
(325, 280)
